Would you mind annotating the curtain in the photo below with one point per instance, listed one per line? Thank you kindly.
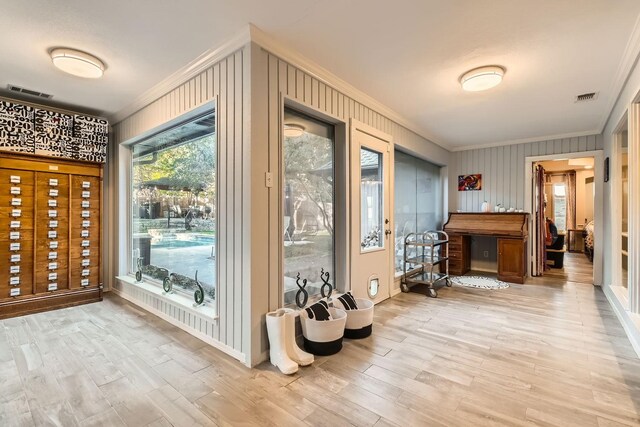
(571, 200)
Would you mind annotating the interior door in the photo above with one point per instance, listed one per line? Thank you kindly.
(372, 240)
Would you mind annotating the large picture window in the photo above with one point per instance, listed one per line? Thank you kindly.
(173, 215)
(308, 202)
(417, 199)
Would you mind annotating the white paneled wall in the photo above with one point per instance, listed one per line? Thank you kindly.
(502, 170)
(225, 82)
(273, 80)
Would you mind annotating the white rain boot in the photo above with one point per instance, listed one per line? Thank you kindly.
(277, 343)
(296, 353)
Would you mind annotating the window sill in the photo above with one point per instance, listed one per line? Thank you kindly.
(206, 310)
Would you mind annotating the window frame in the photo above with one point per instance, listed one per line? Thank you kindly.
(126, 160)
(295, 109)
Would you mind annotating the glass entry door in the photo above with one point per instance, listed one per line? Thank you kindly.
(372, 240)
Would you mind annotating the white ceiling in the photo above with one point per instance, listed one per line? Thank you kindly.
(408, 54)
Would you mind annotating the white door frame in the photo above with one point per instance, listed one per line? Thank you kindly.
(598, 212)
(355, 126)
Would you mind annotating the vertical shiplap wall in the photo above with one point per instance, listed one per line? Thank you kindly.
(272, 79)
(226, 83)
(502, 170)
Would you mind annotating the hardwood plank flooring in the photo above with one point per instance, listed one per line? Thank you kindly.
(550, 353)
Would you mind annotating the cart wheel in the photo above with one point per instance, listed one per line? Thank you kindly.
(433, 293)
(449, 283)
(404, 287)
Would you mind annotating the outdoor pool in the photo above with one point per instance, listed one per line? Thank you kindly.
(184, 242)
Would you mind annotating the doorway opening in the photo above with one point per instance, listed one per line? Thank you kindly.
(563, 217)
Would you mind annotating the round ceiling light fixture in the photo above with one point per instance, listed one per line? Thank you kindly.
(482, 78)
(77, 63)
(293, 130)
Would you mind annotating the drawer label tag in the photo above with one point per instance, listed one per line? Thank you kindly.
(53, 192)
(53, 234)
(86, 252)
(53, 203)
(16, 212)
(13, 281)
(16, 202)
(15, 190)
(85, 203)
(84, 233)
(14, 235)
(53, 255)
(86, 184)
(85, 243)
(86, 262)
(15, 292)
(86, 223)
(15, 258)
(53, 276)
(53, 213)
(53, 224)
(53, 266)
(14, 269)
(84, 282)
(53, 182)
(52, 287)
(86, 194)
(14, 224)
(85, 272)
(15, 179)
(85, 214)
(53, 244)
(14, 246)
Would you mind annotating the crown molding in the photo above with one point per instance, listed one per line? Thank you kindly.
(184, 74)
(526, 140)
(625, 68)
(276, 48)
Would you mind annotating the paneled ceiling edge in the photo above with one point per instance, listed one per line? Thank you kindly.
(185, 73)
(527, 140)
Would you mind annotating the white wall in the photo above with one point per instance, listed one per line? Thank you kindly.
(275, 79)
(227, 83)
(625, 303)
(502, 170)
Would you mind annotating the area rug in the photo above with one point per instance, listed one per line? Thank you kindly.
(480, 282)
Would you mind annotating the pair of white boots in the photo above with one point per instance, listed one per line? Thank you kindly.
(284, 351)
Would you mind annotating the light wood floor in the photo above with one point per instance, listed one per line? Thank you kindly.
(545, 353)
(576, 268)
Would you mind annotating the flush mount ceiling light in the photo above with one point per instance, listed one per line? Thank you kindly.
(482, 78)
(78, 63)
(293, 130)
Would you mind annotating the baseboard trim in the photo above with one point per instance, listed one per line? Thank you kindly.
(207, 339)
(630, 321)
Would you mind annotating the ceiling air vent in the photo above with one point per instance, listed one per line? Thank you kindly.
(29, 92)
(591, 96)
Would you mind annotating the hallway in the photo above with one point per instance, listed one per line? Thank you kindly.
(542, 353)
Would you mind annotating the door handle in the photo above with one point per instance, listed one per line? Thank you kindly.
(387, 231)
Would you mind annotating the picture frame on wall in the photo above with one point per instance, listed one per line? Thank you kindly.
(472, 182)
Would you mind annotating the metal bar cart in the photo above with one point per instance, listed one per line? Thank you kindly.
(422, 253)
